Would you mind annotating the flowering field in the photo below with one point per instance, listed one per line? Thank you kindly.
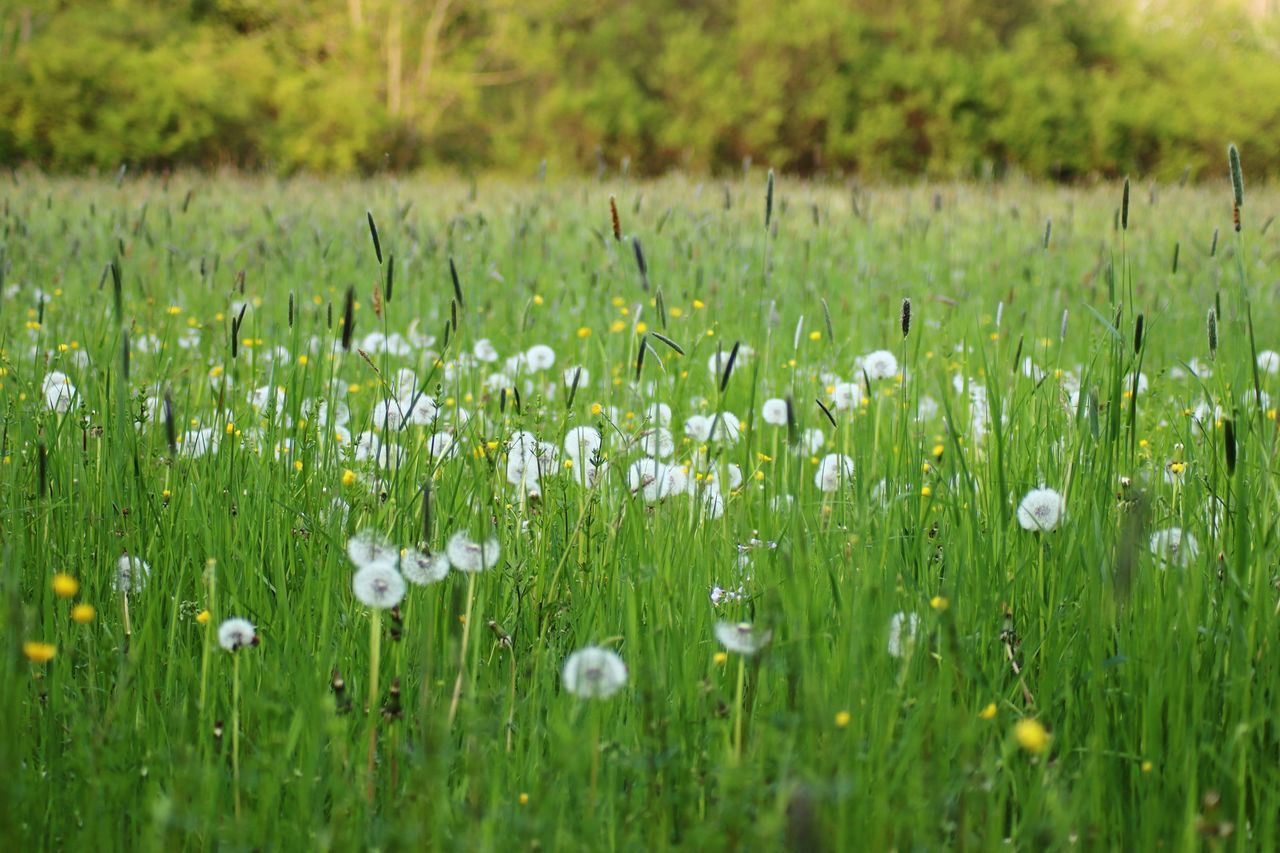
(628, 516)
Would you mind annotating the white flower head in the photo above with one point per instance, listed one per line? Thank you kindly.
(698, 427)
(467, 555)
(484, 351)
(368, 548)
(237, 633)
(423, 569)
(540, 357)
(742, 638)
(59, 393)
(1041, 509)
(594, 673)
(579, 375)
(582, 442)
(902, 633)
(378, 585)
(774, 412)
(880, 364)
(1269, 361)
(1174, 546)
(834, 470)
(846, 395)
(131, 574)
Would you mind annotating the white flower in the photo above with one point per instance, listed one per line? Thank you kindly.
(540, 357)
(378, 585)
(899, 645)
(880, 364)
(712, 502)
(742, 638)
(236, 634)
(59, 393)
(774, 412)
(267, 398)
(698, 427)
(846, 395)
(927, 409)
(657, 442)
(1041, 509)
(368, 548)
(421, 410)
(812, 439)
(387, 414)
(725, 427)
(579, 375)
(131, 574)
(423, 569)
(1269, 361)
(484, 351)
(659, 413)
(195, 443)
(582, 442)
(834, 470)
(467, 555)
(1174, 546)
(594, 673)
(494, 383)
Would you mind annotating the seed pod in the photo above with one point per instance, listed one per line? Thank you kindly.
(373, 232)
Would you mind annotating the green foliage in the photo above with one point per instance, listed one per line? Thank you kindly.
(1059, 88)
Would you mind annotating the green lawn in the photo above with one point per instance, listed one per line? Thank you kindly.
(920, 671)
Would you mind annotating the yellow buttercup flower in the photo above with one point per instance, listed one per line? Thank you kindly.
(1031, 735)
(39, 652)
(64, 585)
(82, 614)
(842, 719)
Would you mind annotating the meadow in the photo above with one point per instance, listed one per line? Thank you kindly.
(604, 514)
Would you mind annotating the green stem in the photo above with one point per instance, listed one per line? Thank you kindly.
(462, 656)
(737, 722)
(235, 728)
(375, 652)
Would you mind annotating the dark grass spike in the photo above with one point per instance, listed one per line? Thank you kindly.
(373, 232)
(793, 431)
(613, 217)
(502, 401)
(662, 309)
(124, 354)
(1229, 445)
(1017, 354)
(426, 515)
(515, 396)
(453, 313)
(1124, 207)
(906, 316)
(830, 417)
(170, 428)
(235, 341)
(640, 263)
(573, 390)
(117, 288)
(768, 202)
(1237, 175)
(1211, 322)
(328, 315)
(457, 285)
(826, 315)
(1138, 327)
(348, 318)
(1177, 247)
(670, 343)
(644, 346)
(186, 199)
(728, 368)
(124, 168)
(1048, 232)
(290, 309)
(42, 466)
(391, 277)
(728, 198)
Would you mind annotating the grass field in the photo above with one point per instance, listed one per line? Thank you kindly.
(930, 660)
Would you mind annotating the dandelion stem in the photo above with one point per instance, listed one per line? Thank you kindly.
(462, 657)
(375, 651)
(737, 722)
(235, 729)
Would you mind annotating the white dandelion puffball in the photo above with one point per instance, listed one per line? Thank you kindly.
(657, 442)
(58, 392)
(902, 633)
(880, 364)
(421, 410)
(378, 585)
(236, 634)
(927, 409)
(726, 427)
(369, 548)
(540, 357)
(846, 395)
(131, 574)
(659, 413)
(1041, 509)
(833, 470)
(1174, 546)
(484, 351)
(1269, 361)
(582, 442)
(698, 427)
(742, 638)
(812, 439)
(576, 375)
(467, 555)
(594, 673)
(195, 443)
(774, 412)
(423, 569)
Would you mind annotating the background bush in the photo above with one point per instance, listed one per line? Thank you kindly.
(947, 88)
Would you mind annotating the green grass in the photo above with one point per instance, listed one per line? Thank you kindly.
(1157, 684)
